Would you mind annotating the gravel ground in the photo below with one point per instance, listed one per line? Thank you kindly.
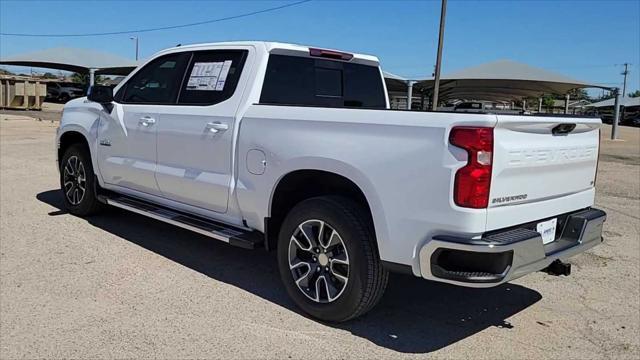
(120, 285)
(50, 112)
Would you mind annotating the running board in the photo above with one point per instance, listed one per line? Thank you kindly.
(213, 229)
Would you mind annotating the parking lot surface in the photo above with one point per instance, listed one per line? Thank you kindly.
(119, 285)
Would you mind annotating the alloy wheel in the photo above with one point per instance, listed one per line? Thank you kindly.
(318, 261)
(74, 180)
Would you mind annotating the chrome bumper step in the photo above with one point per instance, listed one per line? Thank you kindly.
(233, 235)
(508, 254)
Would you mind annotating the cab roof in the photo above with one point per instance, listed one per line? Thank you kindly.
(274, 47)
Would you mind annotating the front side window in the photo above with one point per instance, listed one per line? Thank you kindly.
(293, 80)
(158, 82)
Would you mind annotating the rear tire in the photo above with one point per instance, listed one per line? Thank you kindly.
(345, 278)
(78, 181)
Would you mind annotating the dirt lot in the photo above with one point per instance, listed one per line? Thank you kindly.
(120, 285)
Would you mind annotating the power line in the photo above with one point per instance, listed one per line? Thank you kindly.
(162, 28)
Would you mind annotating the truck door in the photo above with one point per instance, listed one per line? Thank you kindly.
(195, 136)
(127, 137)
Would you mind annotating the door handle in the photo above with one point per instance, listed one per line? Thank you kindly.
(214, 127)
(147, 121)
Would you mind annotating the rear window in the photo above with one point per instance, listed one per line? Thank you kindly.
(292, 80)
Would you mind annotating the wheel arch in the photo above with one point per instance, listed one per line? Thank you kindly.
(69, 138)
(74, 134)
(301, 184)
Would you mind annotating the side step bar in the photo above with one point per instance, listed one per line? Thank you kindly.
(213, 229)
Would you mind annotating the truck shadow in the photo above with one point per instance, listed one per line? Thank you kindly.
(415, 316)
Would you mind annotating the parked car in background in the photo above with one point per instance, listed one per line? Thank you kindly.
(64, 91)
(631, 116)
(485, 107)
(470, 107)
(294, 148)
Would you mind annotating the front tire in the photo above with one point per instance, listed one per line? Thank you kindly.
(328, 259)
(78, 181)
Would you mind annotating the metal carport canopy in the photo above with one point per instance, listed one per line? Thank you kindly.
(503, 80)
(625, 101)
(73, 59)
(395, 82)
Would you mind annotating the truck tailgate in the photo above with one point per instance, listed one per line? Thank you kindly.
(542, 166)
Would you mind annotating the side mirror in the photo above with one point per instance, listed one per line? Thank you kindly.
(100, 94)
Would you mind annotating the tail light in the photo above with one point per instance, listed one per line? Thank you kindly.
(331, 54)
(473, 181)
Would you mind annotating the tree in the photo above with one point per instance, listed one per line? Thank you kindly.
(604, 96)
(84, 79)
(579, 94)
(49, 75)
(635, 94)
(548, 101)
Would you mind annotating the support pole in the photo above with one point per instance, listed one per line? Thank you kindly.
(616, 114)
(539, 105)
(92, 77)
(436, 84)
(409, 93)
(566, 104)
(524, 105)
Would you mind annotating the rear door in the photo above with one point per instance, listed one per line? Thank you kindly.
(542, 166)
(195, 135)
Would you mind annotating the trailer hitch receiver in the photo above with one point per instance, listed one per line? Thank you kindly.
(558, 268)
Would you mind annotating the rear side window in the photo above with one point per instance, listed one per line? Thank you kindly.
(292, 80)
(158, 82)
(212, 77)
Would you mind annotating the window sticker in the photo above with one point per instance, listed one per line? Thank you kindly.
(223, 75)
(209, 76)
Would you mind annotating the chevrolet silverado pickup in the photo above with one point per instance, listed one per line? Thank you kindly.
(294, 149)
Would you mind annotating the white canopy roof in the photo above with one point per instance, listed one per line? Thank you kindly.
(511, 70)
(395, 82)
(72, 59)
(502, 80)
(626, 102)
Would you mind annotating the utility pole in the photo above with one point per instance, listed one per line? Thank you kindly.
(436, 84)
(135, 38)
(624, 83)
(616, 113)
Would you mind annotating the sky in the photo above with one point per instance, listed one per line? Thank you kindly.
(585, 40)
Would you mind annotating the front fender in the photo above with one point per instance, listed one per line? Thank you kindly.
(84, 120)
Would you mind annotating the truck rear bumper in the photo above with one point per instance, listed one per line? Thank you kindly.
(505, 255)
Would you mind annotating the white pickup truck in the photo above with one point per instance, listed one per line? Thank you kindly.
(294, 149)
